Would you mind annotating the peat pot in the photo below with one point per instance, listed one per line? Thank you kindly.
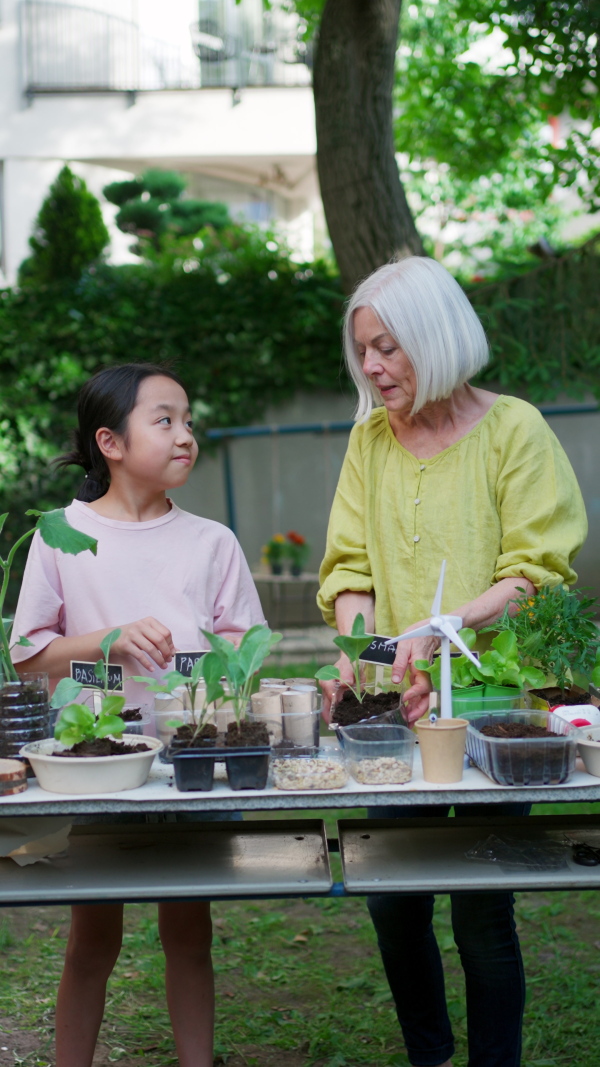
(24, 713)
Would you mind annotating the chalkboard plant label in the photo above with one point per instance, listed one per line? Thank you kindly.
(85, 674)
(186, 661)
(359, 702)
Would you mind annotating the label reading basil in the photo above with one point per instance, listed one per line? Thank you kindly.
(186, 661)
(85, 674)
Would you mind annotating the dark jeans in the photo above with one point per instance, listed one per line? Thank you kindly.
(486, 938)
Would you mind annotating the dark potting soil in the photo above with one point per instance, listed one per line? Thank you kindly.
(514, 730)
(131, 715)
(246, 735)
(101, 746)
(206, 735)
(571, 697)
(349, 710)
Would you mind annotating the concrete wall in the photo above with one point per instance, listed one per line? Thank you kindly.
(284, 483)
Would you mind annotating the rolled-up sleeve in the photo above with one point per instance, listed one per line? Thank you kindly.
(346, 563)
(542, 513)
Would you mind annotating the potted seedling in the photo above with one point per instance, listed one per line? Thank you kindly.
(91, 753)
(298, 552)
(556, 633)
(467, 691)
(358, 702)
(24, 707)
(228, 673)
(503, 670)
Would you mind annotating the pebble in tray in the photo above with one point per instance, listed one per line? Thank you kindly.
(306, 773)
(382, 770)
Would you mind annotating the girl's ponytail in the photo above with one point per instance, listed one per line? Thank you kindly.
(106, 400)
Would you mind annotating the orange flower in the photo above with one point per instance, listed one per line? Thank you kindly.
(296, 538)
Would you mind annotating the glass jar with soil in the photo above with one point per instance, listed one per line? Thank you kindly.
(24, 713)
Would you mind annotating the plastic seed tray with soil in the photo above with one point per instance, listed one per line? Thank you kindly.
(349, 710)
(101, 746)
(246, 734)
(186, 735)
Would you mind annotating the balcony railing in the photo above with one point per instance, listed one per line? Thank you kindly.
(67, 48)
(77, 49)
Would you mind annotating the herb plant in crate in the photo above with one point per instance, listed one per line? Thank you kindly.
(358, 702)
(503, 668)
(556, 634)
(24, 707)
(91, 753)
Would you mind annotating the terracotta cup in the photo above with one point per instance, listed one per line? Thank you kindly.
(442, 747)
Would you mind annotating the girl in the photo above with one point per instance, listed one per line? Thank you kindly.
(135, 442)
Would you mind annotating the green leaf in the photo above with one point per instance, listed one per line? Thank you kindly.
(595, 677)
(110, 724)
(66, 692)
(112, 705)
(69, 736)
(328, 674)
(100, 670)
(23, 642)
(506, 644)
(211, 672)
(3, 519)
(107, 642)
(254, 649)
(469, 636)
(358, 626)
(58, 533)
(75, 723)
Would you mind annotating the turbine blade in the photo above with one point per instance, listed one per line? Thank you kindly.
(451, 633)
(421, 631)
(436, 607)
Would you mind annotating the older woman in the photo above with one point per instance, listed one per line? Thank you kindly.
(439, 469)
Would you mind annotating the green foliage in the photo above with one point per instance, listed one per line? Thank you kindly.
(153, 206)
(556, 632)
(77, 722)
(57, 533)
(351, 645)
(461, 668)
(69, 234)
(504, 664)
(238, 665)
(207, 668)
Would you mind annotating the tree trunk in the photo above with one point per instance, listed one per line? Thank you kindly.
(367, 214)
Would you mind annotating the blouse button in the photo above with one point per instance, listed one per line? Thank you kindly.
(416, 538)
(417, 501)
(422, 467)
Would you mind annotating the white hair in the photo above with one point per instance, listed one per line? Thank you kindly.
(427, 313)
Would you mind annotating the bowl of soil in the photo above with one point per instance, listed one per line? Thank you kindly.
(379, 754)
(523, 747)
(104, 765)
(374, 707)
(588, 743)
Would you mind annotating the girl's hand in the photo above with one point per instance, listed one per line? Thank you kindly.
(416, 698)
(148, 641)
(330, 688)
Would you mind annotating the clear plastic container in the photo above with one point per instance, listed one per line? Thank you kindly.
(141, 725)
(379, 754)
(473, 705)
(523, 761)
(290, 732)
(325, 769)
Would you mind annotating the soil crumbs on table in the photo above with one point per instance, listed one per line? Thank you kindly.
(299, 983)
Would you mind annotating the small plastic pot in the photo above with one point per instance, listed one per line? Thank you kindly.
(194, 769)
(247, 768)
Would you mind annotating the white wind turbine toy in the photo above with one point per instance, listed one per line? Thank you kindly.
(445, 627)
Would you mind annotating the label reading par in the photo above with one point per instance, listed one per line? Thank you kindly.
(186, 661)
(85, 674)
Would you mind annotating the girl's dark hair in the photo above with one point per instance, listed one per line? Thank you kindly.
(107, 399)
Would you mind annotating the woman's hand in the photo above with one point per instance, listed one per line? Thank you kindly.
(148, 641)
(330, 688)
(416, 699)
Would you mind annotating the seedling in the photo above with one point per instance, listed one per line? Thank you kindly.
(461, 668)
(77, 722)
(352, 645)
(57, 533)
(211, 673)
(238, 665)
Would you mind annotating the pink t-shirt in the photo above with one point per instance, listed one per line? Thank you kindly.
(187, 572)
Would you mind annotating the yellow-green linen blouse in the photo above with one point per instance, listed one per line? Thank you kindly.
(502, 502)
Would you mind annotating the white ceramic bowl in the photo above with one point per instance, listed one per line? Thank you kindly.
(588, 743)
(90, 774)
